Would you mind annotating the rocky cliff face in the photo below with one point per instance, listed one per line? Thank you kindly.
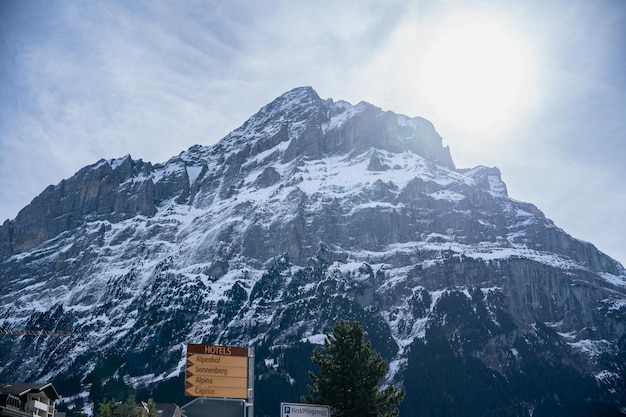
(313, 210)
(111, 190)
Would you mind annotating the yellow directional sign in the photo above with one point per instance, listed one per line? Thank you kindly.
(205, 360)
(208, 381)
(217, 371)
(220, 392)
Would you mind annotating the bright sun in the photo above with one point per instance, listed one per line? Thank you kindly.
(475, 74)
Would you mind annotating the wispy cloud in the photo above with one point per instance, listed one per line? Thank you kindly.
(84, 80)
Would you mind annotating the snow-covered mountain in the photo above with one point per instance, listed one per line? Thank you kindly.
(312, 210)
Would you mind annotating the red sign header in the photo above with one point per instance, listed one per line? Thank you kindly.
(217, 350)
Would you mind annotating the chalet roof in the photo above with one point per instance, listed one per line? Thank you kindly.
(23, 389)
(166, 409)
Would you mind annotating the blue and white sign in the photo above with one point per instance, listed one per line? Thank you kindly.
(304, 410)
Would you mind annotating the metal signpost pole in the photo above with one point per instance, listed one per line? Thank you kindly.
(250, 406)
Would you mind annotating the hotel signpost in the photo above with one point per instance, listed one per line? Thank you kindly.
(216, 371)
(225, 372)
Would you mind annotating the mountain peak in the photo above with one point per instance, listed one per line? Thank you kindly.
(300, 93)
(312, 127)
(293, 101)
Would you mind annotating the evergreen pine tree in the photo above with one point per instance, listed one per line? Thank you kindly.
(152, 411)
(349, 376)
(128, 408)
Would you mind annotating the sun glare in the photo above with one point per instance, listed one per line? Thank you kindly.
(475, 74)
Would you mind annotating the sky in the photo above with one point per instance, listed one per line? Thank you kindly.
(536, 88)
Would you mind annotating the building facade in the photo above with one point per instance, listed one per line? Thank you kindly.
(28, 400)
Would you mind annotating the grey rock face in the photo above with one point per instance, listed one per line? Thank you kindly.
(114, 191)
(312, 210)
